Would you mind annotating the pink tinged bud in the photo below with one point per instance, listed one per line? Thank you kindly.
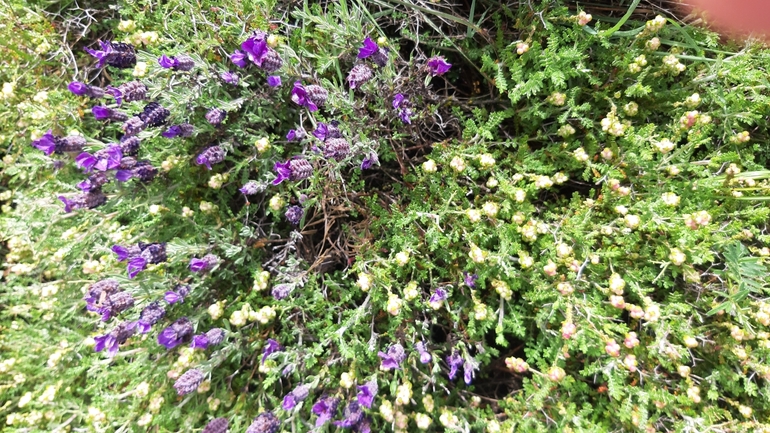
(635, 311)
(556, 374)
(516, 364)
(612, 348)
(631, 340)
(630, 362)
(617, 301)
(568, 329)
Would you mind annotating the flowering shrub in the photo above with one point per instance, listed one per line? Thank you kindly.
(312, 225)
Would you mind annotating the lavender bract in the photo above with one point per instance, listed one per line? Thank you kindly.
(422, 349)
(393, 359)
(296, 134)
(454, 360)
(154, 114)
(281, 291)
(82, 89)
(337, 149)
(50, 143)
(437, 65)
(182, 130)
(177, 295)
(239, 59)
(133, 126)
(230, 77)
(402, 104)
(216, 116)
(273, 81)
(102, 160)
(178, 63)
(250, 188)
(367, 392)
(129, 92)
(102, 112)
(326, 409)
(325, 131)
(353, 415)
(176, 333)
(294, 169)
(469, 367)
(470, 279)
(271, 346)
(370, 160)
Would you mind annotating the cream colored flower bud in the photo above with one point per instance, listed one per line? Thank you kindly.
(521, 48)
(140, 69)
(347, 380)
(364, 281)
(550, 269)
(262, 144)
(580, 154)
(490, 209)
(584, 18)
(277, 203)
(215, 311)
(394, 304)
(486, 161)
(492, 182)
(423, 421)
(556, 374)
(411, 292)
(272, 41)
(402, 258)
(457, 164)
(632, 221)
(526, 261)
(474, 215)
(429, 166)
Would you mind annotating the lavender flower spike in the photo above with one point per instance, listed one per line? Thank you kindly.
(468, 370)
(370, 47)
(271, 347)
(175, 334)
(115, 338)
(294, 214)
(470, 279)
(392, 360)
(230, 77)
(204, 264)
(437, 298)
(300, 97)
(367, 392)
(353, 415)
(326, 409)
(177, 295)
(83, 89)
(438, 66)
(149, 316)
(210, 156)
(188, 382)
(297, 395)
(265, 422)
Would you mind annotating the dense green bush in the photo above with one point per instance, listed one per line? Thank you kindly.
(580, 246)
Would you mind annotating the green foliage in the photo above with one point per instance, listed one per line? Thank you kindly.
(606, 189)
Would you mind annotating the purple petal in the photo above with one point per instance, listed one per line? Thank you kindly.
(78, 88)
(438, 65)
(197, 265)
(123, 175)
(289, 402)
(172, 297)
(86, 161)
(370, 47)
(166, 62)
(172, 132)
(282, 170)
(274, 81)
(135, 266)
(200, 342)
(239, 59)
(321, 131)
(46, 143)
(120, 251)
(67, 204)
(398, 100)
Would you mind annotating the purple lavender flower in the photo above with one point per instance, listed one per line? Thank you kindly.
(216, 116)
(179, 63)
(455, 360)
(154, 114)
(173, 131)
(437, 297)
(326, 409)
(102, 112)
(468, 371)
(176, 333)
(177, 295)
(216, 425)
(112, 340)
(274, 81)
(422, 349)
(370, 160)
(114, 304)
(126, 253)
(265, 422)
(78, 88)
(281, 291)
(365, 426)
(102, 160)
(367, 392)
(46, 143)
(88, 200)
(211, 338)
(82, 89)
(300, 97)
(210, 156)
(438, 65)
(392, 360)
(296, 134)
(140, 255)
(324, 131)
(271, 346)
(239, 59)
(188, 382)
(402, 104)
(99, 291)
(130, 91)
(369, 47)
(293, 169)
(204, 264)
(359, 75)
(297, 395)
(251, 187)
(256, 48)
(230, 77)
(353, 415)
(115, 54)
(149, 316)
(294, 214)
(94, 182)
(470, 279)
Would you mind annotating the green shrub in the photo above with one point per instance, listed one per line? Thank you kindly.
(580, 249)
